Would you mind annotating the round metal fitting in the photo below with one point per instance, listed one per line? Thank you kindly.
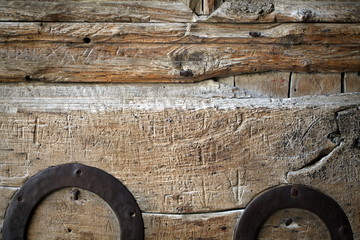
(293, 196)
(107, 187)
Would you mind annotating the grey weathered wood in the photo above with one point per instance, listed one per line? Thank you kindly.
(273, 84)
(270, 33)
(183, 153)
(315, 83)
(173, 11)
(287, 11)
(352, 82)
(95, 11)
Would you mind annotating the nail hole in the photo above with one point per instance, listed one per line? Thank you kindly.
(186, 73)
(223, 228)
(75, 194)
(28, 78)
(20, 199)
(69, 230)
(86, 40)
(255, 34)
(294, 192)
(78, 172)
(132, 214)
(288, 221)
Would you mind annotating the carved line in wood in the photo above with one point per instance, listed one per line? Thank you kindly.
(110, 189)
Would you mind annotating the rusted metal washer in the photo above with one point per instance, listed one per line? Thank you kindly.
(293, 196)
(110, 189)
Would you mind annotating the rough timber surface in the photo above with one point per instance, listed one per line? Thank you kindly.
(193, 154)
(287, 11)
(81, 62)
(179, 11)
(197, 33)
(293, 224)
(302, 84)
(95, 11)
(352, 82)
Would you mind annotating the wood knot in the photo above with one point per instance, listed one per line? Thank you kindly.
(305, 15)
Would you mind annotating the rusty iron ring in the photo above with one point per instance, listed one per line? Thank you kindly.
(110, 189)
(293, 196)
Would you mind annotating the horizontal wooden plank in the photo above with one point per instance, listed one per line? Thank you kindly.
(287, 11)
(183, 153)
(273, 33)
(82, 62)
(216, 154)
(95, 11)
(174, 11)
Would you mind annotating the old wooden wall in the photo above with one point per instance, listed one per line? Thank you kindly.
(281, 107)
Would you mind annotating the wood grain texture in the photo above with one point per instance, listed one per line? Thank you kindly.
(273, 84)
(316, 83)
(204, 226)
(352, 82)
(338, 173)
(95, 11)
(173, 11)
(172, 52)
(267, 33)
(60, 215)
(66, 215)
(287, 11)
(293, 224)
(81, 62)
(183, 154)
(206, 159)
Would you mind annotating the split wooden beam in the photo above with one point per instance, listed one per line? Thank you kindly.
(179, 11)
(178, 52)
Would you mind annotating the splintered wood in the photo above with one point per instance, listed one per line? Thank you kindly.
(214, 156)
